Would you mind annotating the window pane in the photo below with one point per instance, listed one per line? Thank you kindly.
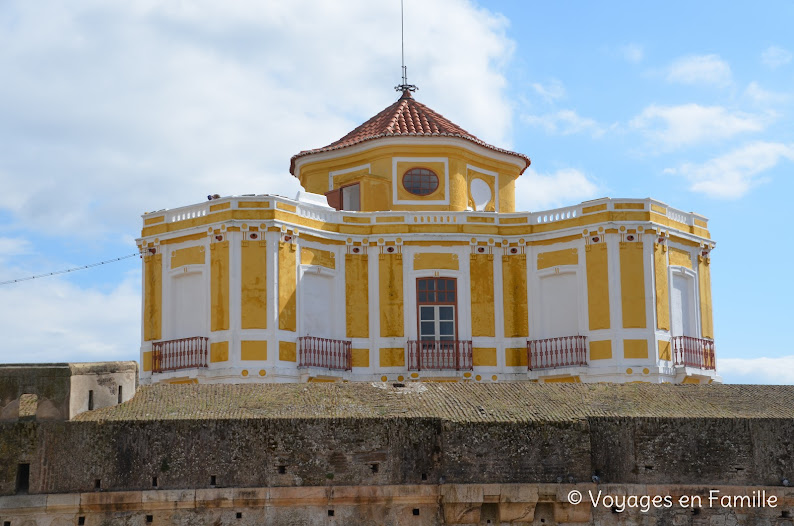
(428, 328)
(447, 328)
(431, 297)
(420, 181)
(426, 313)
(422, 297)
(442, 296)
(431, 284)
(422, 284)
(446, 313)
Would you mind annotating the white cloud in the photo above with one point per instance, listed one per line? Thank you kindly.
(14, 246)
(113, 109)
(633, 53)
(550, 92)
(763, 97)
(757, 370)
(774, 57)
(672, 127)
(565, 122)
(732, 175)
(51, 320)
(536, 191)
(700, 69)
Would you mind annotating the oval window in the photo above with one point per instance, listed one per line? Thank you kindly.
(420, 181)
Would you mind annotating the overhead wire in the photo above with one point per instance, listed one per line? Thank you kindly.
(75, 269)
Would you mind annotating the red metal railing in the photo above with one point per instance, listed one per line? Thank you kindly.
(694, 352)
(565, 351)
(324, 352)
(452, 355)
(185, 353)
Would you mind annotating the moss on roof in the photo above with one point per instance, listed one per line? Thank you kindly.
(502, 402)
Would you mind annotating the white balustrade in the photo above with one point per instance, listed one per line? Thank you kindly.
(559, 214)
(187, 212)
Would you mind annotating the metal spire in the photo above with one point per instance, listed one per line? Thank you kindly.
(404, 86)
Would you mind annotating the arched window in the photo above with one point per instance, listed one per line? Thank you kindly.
(420, 181)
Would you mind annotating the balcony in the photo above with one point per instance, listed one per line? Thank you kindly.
(184, 353)
(694, 352)
(326, 353)
(551, 353)
(439, 355)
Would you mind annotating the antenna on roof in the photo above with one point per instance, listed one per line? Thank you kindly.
(404, 86)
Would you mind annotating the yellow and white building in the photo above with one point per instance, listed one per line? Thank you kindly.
(422, 269)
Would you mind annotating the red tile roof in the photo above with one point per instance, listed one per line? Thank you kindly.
(404, 118)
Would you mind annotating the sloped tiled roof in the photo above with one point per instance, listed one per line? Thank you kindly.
(498, 402)
(404, 118)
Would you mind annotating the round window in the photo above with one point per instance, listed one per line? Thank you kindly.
(420, 181)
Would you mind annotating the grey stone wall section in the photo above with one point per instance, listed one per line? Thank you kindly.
(377, 435)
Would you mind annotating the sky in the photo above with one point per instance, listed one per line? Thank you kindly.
(112, 109)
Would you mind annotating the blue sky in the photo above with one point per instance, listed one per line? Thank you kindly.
(108, 110)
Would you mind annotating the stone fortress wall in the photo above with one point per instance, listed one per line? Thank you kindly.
(412, 453)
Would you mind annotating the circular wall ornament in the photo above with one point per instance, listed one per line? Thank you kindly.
(480, 194)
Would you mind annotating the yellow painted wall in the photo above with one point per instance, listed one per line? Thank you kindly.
(597, 286)
(680, 257)
(514, 290)
(601, 350)
(662, 288)
(147, 361)
(458, 192)
(153, 294)
(665, 352)
(253, 283)
(287, 287)
(253, 350)
(516, 357)
(430, 260)
(253, 204)
(482, 295)
(315, 256)
(507, 191)
(376, 186)
(635, 349)
(221, 206)
(219, 352)
(632, 285)
(375, 194)
(569, 256)
(484, 356)
(287, 352)
(390, 270)
(219, 286)
(392, 357)
(594, 208)
(629, 206)
(356, 296)
(706, 318)
(187, 256)
(360, 357)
